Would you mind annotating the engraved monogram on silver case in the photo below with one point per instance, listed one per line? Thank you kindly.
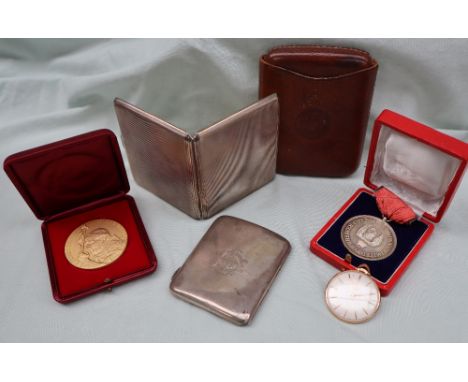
(368, 237)
(230, 262)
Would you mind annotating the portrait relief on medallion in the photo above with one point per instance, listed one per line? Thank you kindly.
(96, 243)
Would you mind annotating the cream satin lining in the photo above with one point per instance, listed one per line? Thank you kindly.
(418, 173)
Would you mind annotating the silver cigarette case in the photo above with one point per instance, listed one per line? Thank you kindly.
(231, 269)
(202, 173)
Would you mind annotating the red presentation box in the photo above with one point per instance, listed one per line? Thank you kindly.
(424, 168)
(68, 183)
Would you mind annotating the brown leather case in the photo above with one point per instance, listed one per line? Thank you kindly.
(325, 95)
(231, 269)
(204, 173)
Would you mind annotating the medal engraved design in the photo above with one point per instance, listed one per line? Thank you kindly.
(368, 237)
(96, 243)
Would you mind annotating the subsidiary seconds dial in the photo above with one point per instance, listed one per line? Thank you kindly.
(352, 296)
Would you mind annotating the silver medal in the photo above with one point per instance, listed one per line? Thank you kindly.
(368, 237)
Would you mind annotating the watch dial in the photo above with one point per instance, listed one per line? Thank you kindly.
(352, 296)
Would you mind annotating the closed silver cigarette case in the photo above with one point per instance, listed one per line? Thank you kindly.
(231, 269)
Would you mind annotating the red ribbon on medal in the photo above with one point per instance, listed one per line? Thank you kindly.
(393, 208)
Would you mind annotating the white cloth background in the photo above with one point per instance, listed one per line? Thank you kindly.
(53, 89)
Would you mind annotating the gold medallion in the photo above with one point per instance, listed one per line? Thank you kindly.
(96, 243)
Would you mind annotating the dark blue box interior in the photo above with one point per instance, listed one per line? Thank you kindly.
(407, 237)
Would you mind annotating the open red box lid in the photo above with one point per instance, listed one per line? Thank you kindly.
(421, 165)
(69, 173)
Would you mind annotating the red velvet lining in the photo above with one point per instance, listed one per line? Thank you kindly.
(70, 280)
(69, 173)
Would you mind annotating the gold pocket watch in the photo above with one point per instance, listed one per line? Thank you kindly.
(352, 296)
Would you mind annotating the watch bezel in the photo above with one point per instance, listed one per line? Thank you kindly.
(369, 317)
